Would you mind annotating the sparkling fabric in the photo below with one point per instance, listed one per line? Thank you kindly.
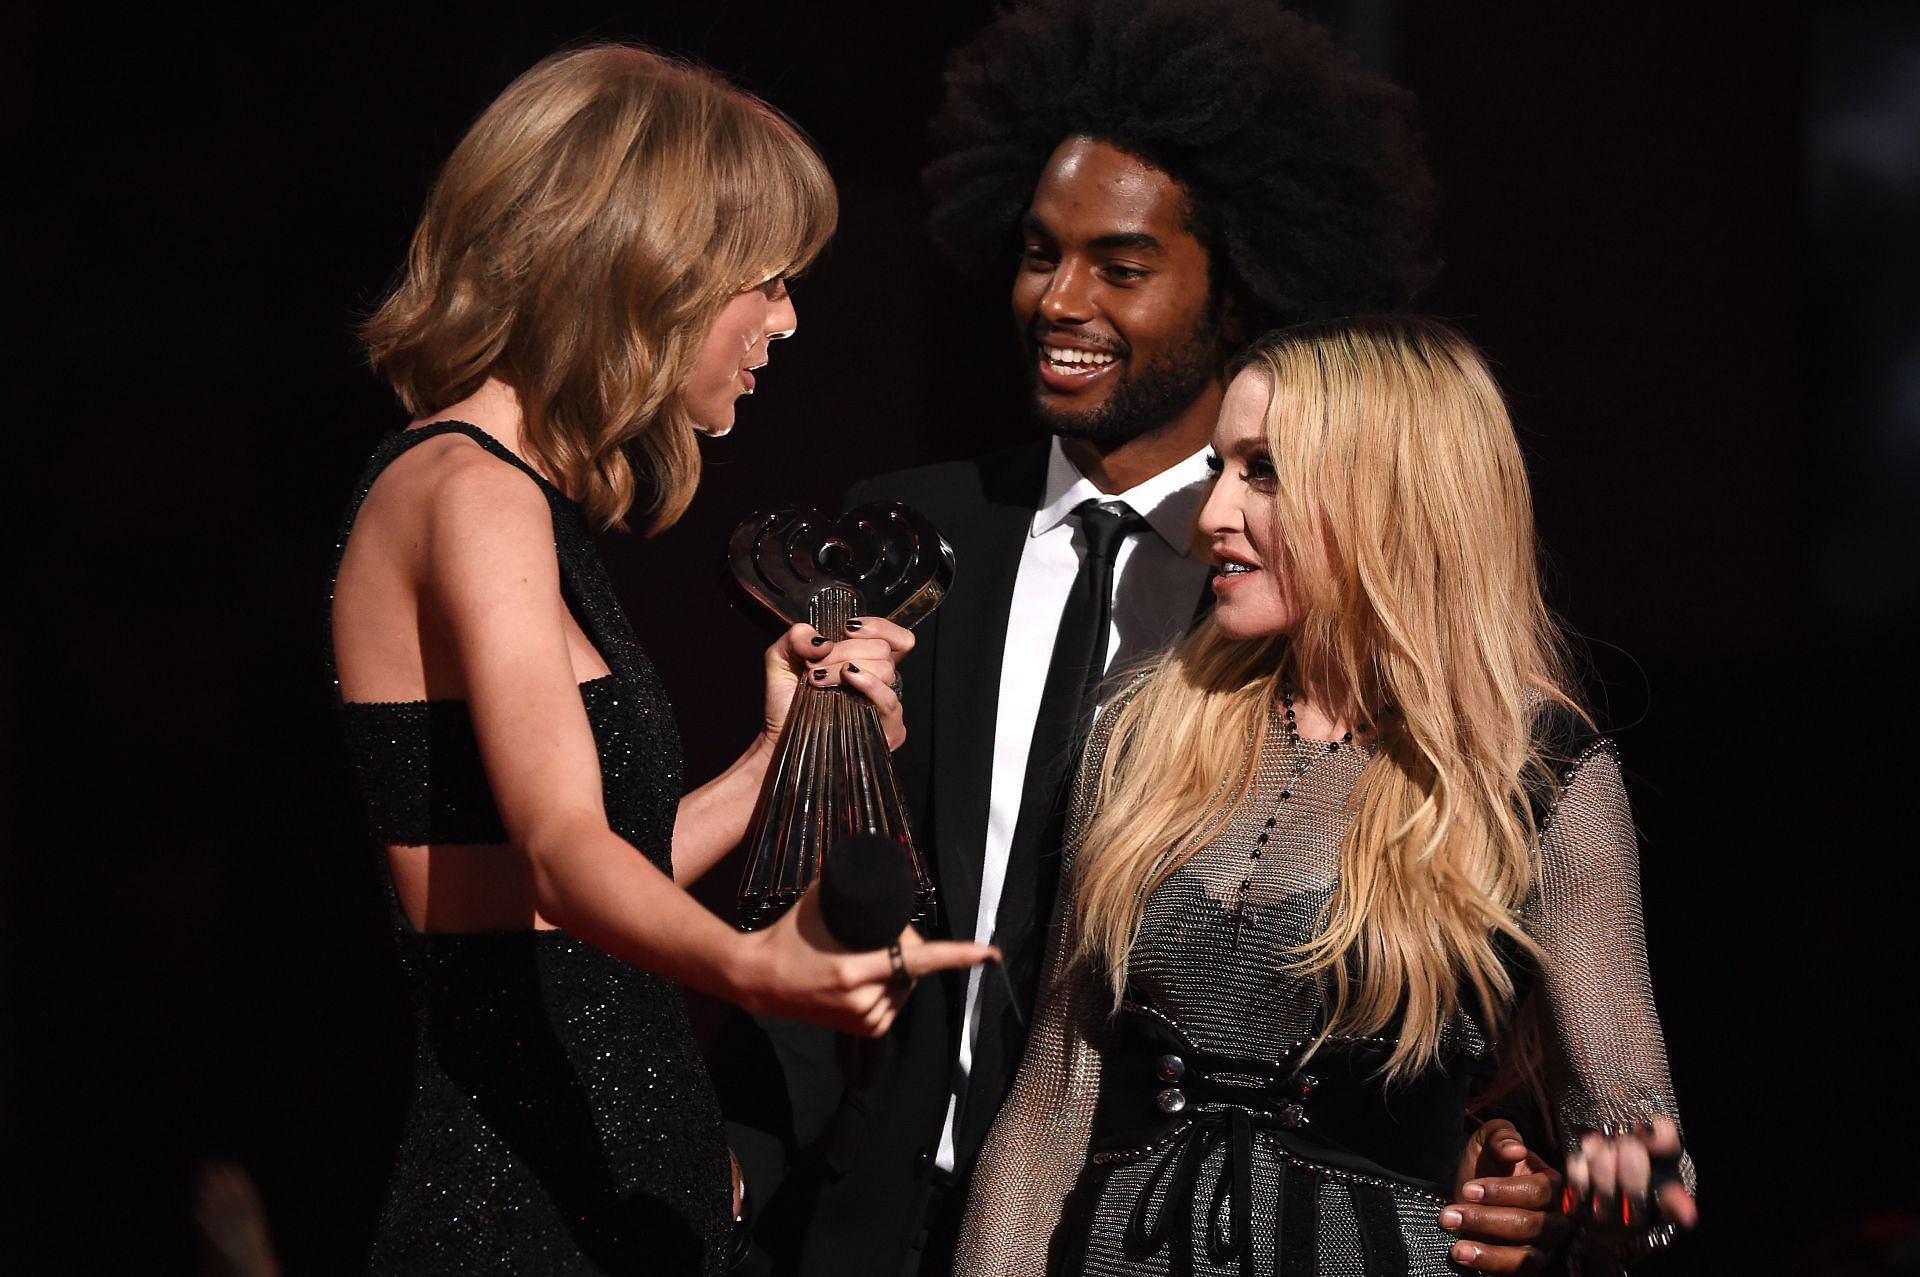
(561, 1120)
(1208, 958)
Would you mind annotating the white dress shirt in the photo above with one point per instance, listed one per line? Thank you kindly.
(1156, 584)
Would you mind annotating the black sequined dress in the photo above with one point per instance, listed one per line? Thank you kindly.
(561, 1119)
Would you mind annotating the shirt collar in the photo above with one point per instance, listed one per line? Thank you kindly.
(1169, 500)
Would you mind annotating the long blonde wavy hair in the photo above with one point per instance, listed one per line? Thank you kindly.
(1403, 505)
(579, 244)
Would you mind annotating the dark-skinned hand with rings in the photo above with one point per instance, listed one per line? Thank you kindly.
(1506, 1207)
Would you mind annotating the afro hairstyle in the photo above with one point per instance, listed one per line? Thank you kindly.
(1303, 171)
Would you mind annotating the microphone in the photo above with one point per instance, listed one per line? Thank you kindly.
(866, 891)
(867, 897)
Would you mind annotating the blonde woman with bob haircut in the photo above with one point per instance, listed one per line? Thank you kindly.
(1328, 858)
(596, 279)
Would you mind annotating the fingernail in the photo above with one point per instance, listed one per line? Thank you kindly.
(1465, 1252)
(819, 676)
(817, 641)
(852, 668)
(1474, 1192)
(853, 625)
(1450, 1219)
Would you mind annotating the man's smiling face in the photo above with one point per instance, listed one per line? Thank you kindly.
(1112, 298)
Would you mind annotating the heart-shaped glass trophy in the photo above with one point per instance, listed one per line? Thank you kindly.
(832, 774)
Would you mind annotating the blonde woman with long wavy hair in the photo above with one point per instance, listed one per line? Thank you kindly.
(596, 280)
(1329, 856)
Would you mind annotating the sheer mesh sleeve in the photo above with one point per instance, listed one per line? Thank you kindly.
(1606, 1056)
(1038, 1145)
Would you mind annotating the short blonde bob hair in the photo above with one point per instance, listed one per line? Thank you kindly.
(579, 245)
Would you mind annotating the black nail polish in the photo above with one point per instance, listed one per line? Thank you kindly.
(819, 676)
(853, 669)
(817, 641)
(852, 625)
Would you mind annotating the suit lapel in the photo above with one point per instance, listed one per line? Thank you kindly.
(973, 639)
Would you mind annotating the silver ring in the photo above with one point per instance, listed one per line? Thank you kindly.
(901, 979)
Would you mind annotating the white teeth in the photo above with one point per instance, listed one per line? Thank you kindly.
(1060, 356)
(1234, 569)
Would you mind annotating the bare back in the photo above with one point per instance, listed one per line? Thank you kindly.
(397, 638)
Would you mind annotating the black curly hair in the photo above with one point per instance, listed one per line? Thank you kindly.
(1303, 171)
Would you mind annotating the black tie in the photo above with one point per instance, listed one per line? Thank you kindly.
(1066, 702)
(1033, 858)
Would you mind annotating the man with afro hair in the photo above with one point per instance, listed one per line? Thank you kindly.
(1165, 179)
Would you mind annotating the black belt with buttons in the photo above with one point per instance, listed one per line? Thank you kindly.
(1159, 1096)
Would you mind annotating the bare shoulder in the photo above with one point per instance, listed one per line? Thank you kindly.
(451, 479)
(449, 490)
(453, 517)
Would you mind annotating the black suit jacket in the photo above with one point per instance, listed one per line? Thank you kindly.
(853, 1201)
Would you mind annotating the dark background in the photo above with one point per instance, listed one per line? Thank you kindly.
(1679, 232)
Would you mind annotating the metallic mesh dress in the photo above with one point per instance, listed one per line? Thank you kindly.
(1184, 1135)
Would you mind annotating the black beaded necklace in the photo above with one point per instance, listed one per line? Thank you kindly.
(1301, 766)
